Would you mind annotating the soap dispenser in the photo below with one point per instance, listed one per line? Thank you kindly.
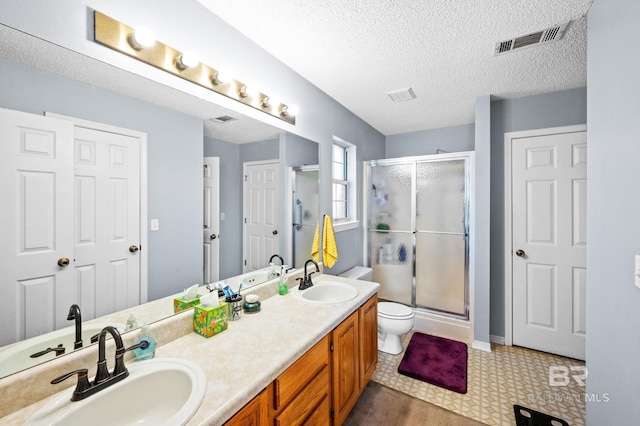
(283, 283)
(150, 351)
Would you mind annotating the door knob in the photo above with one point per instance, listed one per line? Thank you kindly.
(213, 236)
(275, 232)
(133, 249)
(520, 253)
(63, 261)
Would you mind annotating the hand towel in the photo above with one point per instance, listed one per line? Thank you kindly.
(315, 246)
(329, 247)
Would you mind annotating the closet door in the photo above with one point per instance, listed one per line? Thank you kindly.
(441, 235)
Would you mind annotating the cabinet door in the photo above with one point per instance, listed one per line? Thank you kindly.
(368, 317)
(346, 367)
(255, 413)
(310, 406)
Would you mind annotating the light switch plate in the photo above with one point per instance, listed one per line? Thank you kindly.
(155, 224)
(636, 274)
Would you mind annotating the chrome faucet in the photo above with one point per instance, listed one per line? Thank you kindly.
(103, 378)
(74, 314)
(306, 282)
(279, 257)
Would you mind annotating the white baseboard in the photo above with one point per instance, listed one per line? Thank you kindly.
(498, 340)
(481, 346)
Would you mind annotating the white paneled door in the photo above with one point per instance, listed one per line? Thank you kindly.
(260, 192)
(70, 223)
(211, 233)
(549, 189)
(36, 250)
(107, 221)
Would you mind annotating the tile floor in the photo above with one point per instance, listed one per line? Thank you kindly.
(496, 381)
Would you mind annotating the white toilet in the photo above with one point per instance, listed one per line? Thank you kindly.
(394, 319)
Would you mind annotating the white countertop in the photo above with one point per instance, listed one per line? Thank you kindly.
(242, 360)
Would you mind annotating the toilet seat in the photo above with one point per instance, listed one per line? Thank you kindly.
(394, 310)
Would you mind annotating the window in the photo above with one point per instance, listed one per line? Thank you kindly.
(344, 184)
(340, 182)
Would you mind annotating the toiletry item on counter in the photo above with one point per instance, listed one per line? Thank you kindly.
(283, 283)
(235, 307)
(147, 335)
(189, 299)
(252, 304)
(131, 323)
(211, 316)
(228, 292)
(273, 272)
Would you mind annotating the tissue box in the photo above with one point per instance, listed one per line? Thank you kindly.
(210, 320)
(179, 304)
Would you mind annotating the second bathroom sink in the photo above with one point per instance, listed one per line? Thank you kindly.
(325, 291)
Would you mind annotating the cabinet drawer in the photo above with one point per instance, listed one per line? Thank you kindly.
(311, 403)
(296, 377)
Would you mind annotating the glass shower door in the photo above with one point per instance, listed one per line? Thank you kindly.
(391, 230)
(441, 236)
(305, 213)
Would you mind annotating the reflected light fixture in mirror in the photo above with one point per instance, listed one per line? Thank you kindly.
(138, 44)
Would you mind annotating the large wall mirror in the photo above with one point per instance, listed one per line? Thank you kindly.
(181, 130)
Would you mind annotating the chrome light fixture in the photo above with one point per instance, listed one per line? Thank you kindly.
(141, 44)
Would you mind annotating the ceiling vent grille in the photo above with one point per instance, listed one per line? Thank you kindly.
(402, 95)
(534, 39)
(222, 119)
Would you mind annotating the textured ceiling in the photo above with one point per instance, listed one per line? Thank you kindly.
(356, 50)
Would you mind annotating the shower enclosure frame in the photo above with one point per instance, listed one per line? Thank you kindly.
(468, 157)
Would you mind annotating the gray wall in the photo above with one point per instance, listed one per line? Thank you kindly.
(230, 204)
(427, 142)
(613, 206)
(556, 109)
(174, 162)
(259, 151)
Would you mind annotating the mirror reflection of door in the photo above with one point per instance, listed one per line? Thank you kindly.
(305, 212)
(77, 217)
(261, 180)
(211, 235)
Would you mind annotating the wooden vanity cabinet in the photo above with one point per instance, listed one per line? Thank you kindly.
(302, 394)
(354, 357)
(255, 413)
(323, 385)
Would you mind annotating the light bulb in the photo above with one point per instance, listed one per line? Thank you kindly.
(221, 77)
(188, 59)
(273, 101)
(142, 37)
(289, 110)
(249, 91)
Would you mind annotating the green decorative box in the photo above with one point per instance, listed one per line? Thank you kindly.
(209, 321)
(179, 304)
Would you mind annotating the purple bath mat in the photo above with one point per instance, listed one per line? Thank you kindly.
(436, 360)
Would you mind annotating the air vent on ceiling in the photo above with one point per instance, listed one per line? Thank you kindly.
(539, 37)
(402, 95)
(222, 119)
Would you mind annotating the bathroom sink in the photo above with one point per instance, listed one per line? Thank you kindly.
(17, 357)
(328, 292)
(165, 391)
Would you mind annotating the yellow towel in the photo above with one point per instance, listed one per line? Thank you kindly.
(315, 246)
(329, 247)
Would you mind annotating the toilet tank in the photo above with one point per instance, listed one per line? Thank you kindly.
(358, 273)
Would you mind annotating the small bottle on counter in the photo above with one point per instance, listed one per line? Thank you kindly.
(283, 283)
(150, 351)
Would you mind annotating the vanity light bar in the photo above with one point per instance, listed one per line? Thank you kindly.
(118, 36)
